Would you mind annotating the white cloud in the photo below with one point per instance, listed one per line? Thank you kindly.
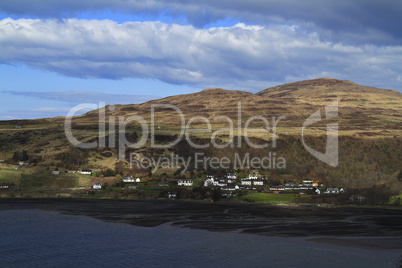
(341, 20)
(239, 57)
(76, 97)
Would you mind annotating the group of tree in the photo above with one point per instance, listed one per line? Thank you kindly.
(21, 156)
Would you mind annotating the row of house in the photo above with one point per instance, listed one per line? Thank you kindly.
(6, 186)
(83, 171)
(188, 183)
(97, 186)
(233, 176)
(131, 179)
(317, 188)
(331, 191)
(214, 182)
(252, 182)
(291, 187)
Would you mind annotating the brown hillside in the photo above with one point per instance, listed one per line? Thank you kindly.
(363, 111)
(320, 87)
(211, 103)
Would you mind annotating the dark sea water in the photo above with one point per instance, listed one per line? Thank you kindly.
(36, 238)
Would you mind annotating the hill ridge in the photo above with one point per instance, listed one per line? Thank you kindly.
(312, 87)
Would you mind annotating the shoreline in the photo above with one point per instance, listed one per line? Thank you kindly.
(367, 228)
(86, 240)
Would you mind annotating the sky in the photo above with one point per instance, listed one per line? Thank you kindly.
(58, 54)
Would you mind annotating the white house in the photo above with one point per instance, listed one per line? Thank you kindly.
(276, 188)
(55, 172)
(307, 181)
(252, 176)
(213, 182)
(97, 186)
(5, 186)
(137, 180)
(258, 182)
(128, 179)
(306, 187)
(86, 171)
(222, 183)
(209, 182)
(185, 183)
(171, 195)
(231, 176)
(332, 191)
(246, 182)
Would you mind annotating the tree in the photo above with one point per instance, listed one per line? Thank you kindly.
(24, 156)
(400, 176)
(119, 167)
(21, 156)
(108, 172)
(16, 156)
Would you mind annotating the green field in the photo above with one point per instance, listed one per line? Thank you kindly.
(43, 180)
(268, 198)
(10, 175)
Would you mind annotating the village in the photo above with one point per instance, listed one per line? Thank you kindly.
(228, 185)
(242, 185)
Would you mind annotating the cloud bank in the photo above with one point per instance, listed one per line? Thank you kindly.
(242, 56)
(342, 20)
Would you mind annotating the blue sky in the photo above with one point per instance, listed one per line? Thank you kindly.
(57, 54)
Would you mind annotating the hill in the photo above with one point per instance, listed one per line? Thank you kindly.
(369, 119)
(319, 87)
(363, 111)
